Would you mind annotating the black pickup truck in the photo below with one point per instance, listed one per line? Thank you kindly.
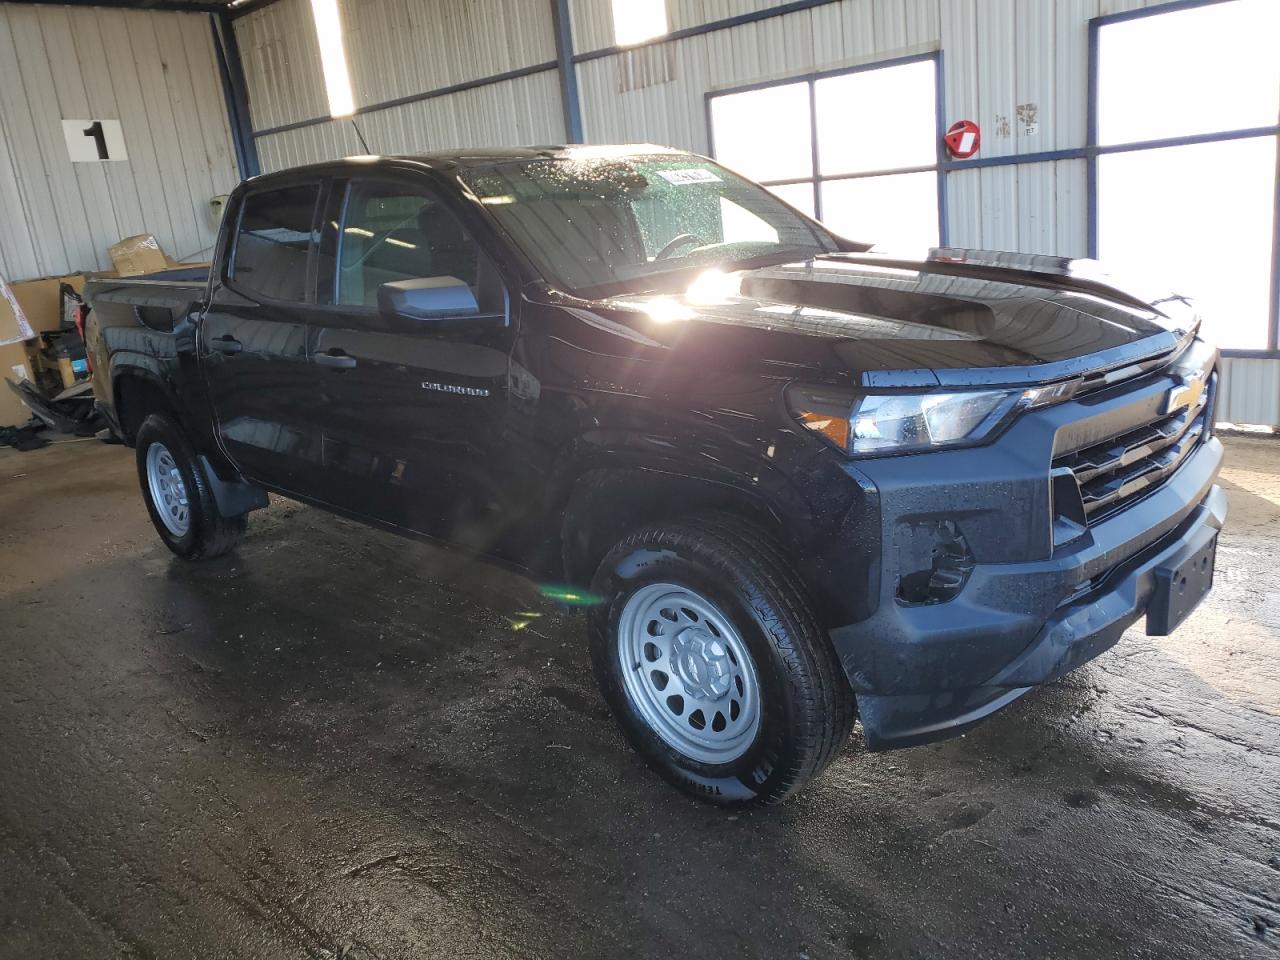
(797, 481)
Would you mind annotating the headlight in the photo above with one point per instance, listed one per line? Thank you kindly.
(901, 423)
(907, 423)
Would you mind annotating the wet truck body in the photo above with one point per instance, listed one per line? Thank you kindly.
(977, 469)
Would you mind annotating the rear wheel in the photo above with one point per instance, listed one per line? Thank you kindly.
(178, 495)
(709, 654)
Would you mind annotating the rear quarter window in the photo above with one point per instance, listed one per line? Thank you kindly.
(273, 242)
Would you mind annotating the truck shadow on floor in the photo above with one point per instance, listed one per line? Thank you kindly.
(352, 741)
(415, 657)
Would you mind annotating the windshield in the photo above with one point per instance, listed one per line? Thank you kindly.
(601, 225)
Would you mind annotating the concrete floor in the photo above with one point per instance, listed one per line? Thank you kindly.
(337, 743)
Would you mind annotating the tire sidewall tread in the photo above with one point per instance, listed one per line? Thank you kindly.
(807, 705)
(210, 534)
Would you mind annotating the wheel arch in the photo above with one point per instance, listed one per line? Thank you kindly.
(137, 394)
(833, 541)
(608, 502)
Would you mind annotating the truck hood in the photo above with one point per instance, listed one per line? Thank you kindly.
(960, 317)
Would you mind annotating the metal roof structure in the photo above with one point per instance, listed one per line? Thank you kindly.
(233, 7)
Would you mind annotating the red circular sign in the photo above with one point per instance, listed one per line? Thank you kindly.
(963, 139)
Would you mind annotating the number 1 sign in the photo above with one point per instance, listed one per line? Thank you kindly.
(94, 141)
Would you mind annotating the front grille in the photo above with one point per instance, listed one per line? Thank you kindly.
(1120, 470)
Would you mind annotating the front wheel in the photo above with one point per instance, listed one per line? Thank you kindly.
(178, 496)
(708, 653)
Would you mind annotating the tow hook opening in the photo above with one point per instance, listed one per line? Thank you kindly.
(935, 562)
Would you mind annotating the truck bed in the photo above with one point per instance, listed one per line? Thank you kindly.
(160, 298)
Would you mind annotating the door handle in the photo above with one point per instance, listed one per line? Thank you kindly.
(226, 344)
(335, 360)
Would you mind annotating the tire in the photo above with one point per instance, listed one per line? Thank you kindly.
(747, 597)
(180, 501)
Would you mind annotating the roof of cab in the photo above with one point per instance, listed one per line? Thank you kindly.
(485, 156)
(482, 157)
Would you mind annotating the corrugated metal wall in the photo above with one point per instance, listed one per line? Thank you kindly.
(281, 62)
(997, 55)
(1250, 392)
(1004, 61)
(154, 72)
(403, 48)
(512, 113)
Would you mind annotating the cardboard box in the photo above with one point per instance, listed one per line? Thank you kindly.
(15, 365)
(41, 300)
(31, 307)
(137, 255)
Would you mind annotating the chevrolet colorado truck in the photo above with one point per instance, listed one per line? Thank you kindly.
(799, 481)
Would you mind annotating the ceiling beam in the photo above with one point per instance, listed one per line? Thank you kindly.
(168, 6)
(252, 5)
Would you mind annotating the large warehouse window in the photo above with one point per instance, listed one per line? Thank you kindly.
(1185, 123)
(858, 148)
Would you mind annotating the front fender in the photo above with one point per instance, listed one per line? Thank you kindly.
(804, 497)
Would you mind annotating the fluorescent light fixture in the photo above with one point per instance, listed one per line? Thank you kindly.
(635, 21)
(333, 57)
(359, 231)
(402, 243)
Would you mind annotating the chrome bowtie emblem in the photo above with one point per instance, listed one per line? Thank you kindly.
(1185, 394)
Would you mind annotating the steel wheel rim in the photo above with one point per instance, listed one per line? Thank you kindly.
(688, 673)
(168, 490)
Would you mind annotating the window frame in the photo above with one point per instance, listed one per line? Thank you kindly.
(1093, 150)
(228, 277)
(326, 311)
(817, 179)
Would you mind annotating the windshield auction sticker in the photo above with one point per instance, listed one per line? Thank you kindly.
(681, 177)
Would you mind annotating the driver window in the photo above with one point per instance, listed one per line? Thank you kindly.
(392, 233)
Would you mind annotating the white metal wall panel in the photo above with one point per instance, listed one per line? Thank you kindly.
(281, 59)
(154, 72)
(835, 35)
(1250, 392)
(664, 113)
(1029, 208)
(1068, 116)
(395, 48)
(398, 48)
(293, 148)
(592, 22)
(512, 113)
(843, 30)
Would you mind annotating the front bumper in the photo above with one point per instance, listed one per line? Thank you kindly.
(926, 672)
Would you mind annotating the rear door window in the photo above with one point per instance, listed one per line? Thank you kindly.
(274, 242)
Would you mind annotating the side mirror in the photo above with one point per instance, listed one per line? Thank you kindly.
(428, 298)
